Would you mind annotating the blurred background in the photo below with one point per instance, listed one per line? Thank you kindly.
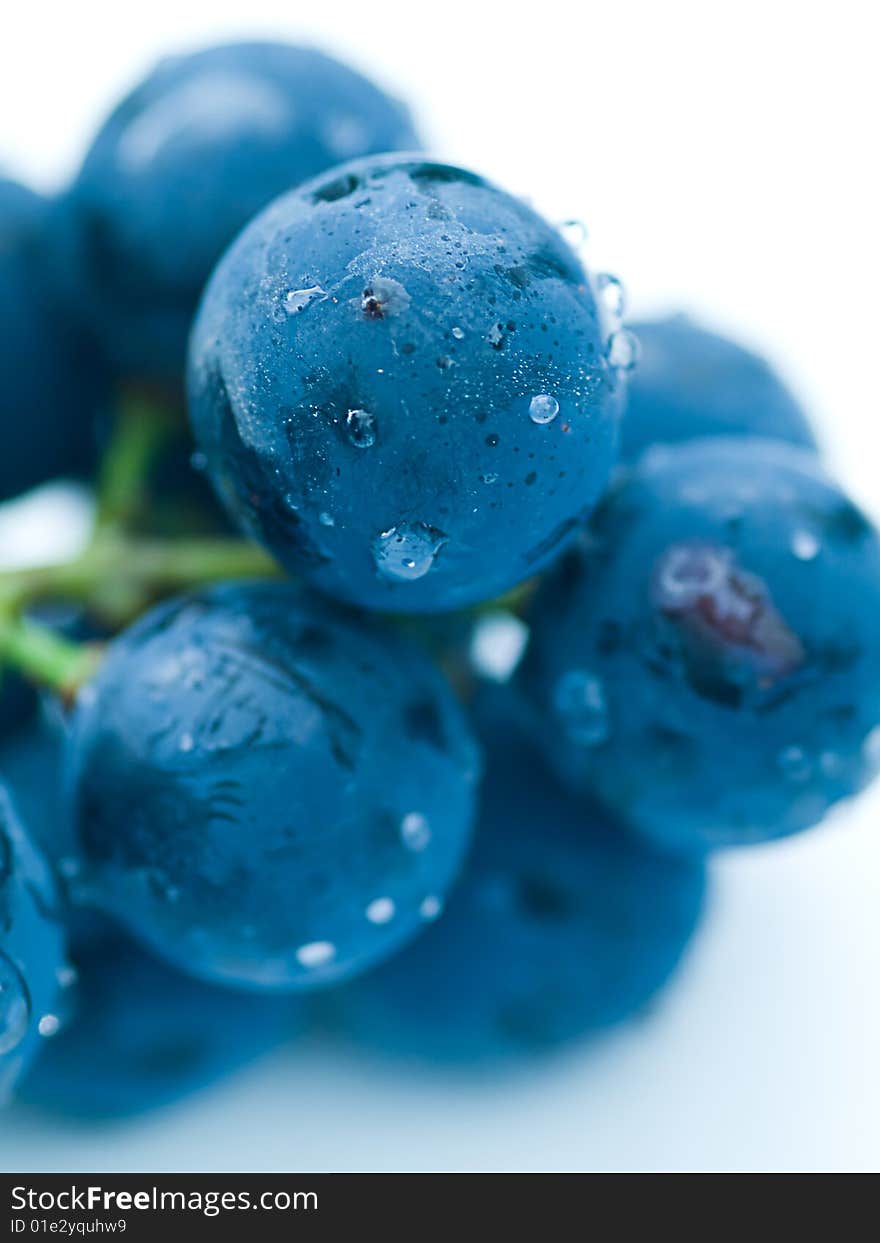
(720, 157)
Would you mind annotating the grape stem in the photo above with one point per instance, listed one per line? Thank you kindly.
(45, 657)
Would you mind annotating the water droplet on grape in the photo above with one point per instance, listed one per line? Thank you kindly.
(574, 232)
(458, 333)
(407, 552)
(415, 832)
(579, 703)
(543, 409)
(805, 546)
(316, 954)
(611, 294)
(15, 1006)
(327, 520)
(187, 742)
(361, 428)
(795, 763)
(623, 350)
(49, 1026)
(430, 907)
(380, 911)
(298, 299)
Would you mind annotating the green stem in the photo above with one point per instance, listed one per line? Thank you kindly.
(117, 578)
(142, 427)
(45, 657)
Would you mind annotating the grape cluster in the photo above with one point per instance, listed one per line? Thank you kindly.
(426, 724)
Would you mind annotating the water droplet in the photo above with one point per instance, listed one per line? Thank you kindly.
(380, 911)
(623, 350)
(495, 336)
(579, 702)
(805, 546)
(316, 954)
(298, 299)
(489, 477)
(871, 746)
(199, 462)
(327, 520)
(407, 552)
(497, 645)
(543, 409)
(430, 907)
(795, 763)
(611, 294)
(458, 333)
(15, 1006)
(361, 428)
(66, 977)
(49, 1026)
(415, 832)
(574, 232)
(187, 742)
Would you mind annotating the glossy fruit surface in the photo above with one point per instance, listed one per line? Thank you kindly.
(266, 790)
(708, 663)
(32, 959)
(405, 385)
(560, 926)
(691, 383)
(140, 1035)
(182, 164)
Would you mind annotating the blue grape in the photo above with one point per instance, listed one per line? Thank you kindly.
(53, 389)
(708, 663)
(404, 385)
(31, 948)
(561, 926)
(141, 1036)
(267, 790)
(183, 163)
(691, 383)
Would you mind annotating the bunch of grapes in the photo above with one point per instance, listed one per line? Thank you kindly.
(432, 630)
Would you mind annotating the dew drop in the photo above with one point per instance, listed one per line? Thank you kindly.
(623, 350)
(15, 1006)
(795, 763)
(361, 428)
(316, 954)
(326, 520)
(871, 747)
(805, 546)
(66, 977)
(495, 336)
(611, 294)
(49, 1025)
(574, 232)
(415, 832)
(543, 409)
(298, 299)
(430, 907)
(406, 552)
(380, 911)
(187, 742)
(458, 333)
(579, 702)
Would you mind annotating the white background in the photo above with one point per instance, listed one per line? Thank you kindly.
(724, 160)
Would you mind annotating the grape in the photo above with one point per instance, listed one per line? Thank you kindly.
(31, 948)
(560, 926)
(691, 383)
(403, 384)
(141, 1036)
(182, 164)
(53, 389)
(247, 769)
(708, 663)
